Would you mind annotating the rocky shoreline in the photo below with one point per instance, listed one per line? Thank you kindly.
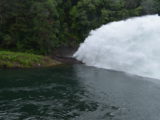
(60, 56)
(64, 55)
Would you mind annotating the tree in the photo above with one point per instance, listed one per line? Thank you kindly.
(29, 25)
(90, 14)
(42, 25)
(150, 6)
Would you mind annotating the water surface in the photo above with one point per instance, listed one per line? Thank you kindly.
(77, 92)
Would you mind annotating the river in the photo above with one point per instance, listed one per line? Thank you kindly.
(77, 92)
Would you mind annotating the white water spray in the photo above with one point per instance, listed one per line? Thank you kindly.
(132, 46)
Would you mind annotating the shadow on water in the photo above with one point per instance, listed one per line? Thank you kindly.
(76, 92)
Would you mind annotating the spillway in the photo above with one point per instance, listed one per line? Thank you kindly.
(131, 46)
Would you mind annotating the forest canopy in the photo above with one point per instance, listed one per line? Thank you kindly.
(40, 26)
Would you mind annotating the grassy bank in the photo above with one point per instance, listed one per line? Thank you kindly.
(24, 60)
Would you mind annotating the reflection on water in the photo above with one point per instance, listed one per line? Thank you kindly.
(76, 92)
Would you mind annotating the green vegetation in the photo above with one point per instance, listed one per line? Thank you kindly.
(40, 26)
(24, 60)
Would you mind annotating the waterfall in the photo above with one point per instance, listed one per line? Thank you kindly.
(131, 46)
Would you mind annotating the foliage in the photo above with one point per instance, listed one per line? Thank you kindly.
(24, 60)
(39, 26)
(27, 24)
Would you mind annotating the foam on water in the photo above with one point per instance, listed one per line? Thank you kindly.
(132, 46)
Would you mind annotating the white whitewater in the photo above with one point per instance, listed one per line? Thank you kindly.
(132, 46)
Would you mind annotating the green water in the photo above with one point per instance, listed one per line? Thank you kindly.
(77, 92)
